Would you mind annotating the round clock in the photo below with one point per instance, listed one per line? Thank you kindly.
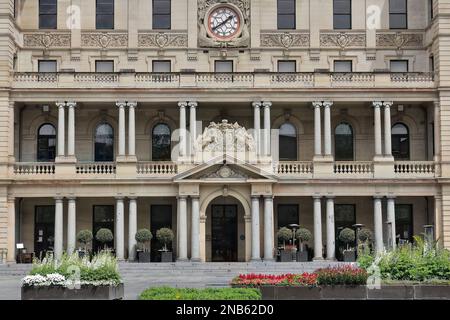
(224, 22)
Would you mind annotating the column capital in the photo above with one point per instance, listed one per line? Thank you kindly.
(330, 197)
(71, 104)
(182, 197)
(59, 198)
(72, 198)
(60, 104)
(317, 196)
(268, 196)
(327, 104)
(377, 104)
(388, 104)
(192, 104)
(317, 104)
(132, 198)
(195, 197)
(266, 104)
(119, 198)
(182, 104)
(254, 197)
(391, 196)
(375, 197)
(256, 104)
(121, 104)
(132, 104)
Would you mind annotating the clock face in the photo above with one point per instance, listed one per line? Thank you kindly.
(223, 22)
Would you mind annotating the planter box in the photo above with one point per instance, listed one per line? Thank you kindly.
(285, 256)
(290, 293)
(166, 256)
(143, 256)
(441, 292)
(302, 256)
(86, 292)
(386, 292)
(344, 292)
(349, 256)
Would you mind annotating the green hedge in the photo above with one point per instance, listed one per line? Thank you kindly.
(166, 293)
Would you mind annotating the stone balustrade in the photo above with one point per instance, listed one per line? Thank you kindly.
(25, 80)
(156, 169)
(295, 168)
(34, 168)
(96, 168)
(414, 169)
(354, 169)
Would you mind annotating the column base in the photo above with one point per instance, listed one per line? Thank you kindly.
(256, 260)
(196, 260)
(182, 260)
(318, 259)
(268, 260)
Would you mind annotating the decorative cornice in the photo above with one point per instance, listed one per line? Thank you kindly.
(104, 39)
(342, 39)
(399, 40)
(47, 40)
(162, 39)
(284, 39)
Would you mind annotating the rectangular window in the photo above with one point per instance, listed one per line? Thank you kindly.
(47, 66)
(342, 66)
(344, 217)
(399, 65)
(398, 14)
(430, 11)
(286, 66)
(342, 14)
(104, 17)
(161, 66)
(431, 63)
(161, 14)
(104, 66)
(223, 66)
(48, 14)
(286, 14)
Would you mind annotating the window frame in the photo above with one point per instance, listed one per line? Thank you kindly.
(216, 62)
(104, 61)
(47, 61)
(48, 149)
(42, 16)
(398, 61)
(392, 14)
(398, 155)
(350, 62)
(294, 62)
(169, 62)
(97, 14)
(112, 145)
(338, 158)
(154, 15)
(281, 15)
(342, 14)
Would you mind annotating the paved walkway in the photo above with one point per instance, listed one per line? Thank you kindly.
(139, 276)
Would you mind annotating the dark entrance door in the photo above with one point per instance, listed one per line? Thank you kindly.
(160, 217)
(344, 217)
(224, 233)
(44, 230)
(103, 218)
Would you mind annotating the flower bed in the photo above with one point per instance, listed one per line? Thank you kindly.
(166, 293)
(256, 280)
(73, 277)
(346, 275)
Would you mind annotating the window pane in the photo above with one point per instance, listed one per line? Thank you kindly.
(105, 21)
(286, 21)
(47, 130)
(400, 141)
(46, 144)
(342, 6)
(286, 66)
(47, 21)
(342, 66)
(161, 7)
(161, 21)
(161, 66)
(399, 66)
(397, 6)
(342, 21)
(286, 6)
(161, 14)
(104, 143)
(399, 128)
(47, 66)
(287, 214)
(397, 21)
(288, 142)
(404, 222)
(161, 147)
(104, 66)
(224, 66)
(343, 142)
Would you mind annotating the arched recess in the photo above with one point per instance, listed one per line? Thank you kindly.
(294, 121)
(244, 201)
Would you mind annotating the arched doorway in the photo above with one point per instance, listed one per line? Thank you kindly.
(225, 229)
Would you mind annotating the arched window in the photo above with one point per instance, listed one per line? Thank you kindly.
(46, 143)
(400, 141)
(343, 142)
(161, 150)
(104, 142)
(288, 142)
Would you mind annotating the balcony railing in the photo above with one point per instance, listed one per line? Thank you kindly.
(156, 169)
(355, 169)
(96, 168)
(296, 80)
(34, 168)
(414, 169)
(295, 168)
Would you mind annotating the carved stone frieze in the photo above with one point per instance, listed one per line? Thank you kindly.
(162, 40)
(399, 40)
(46, 40)
(284, 39)
(104, 40)
(342, 39)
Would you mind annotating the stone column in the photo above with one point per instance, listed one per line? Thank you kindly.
(331, 246)
(256, 246)
(391, 218)
(387, 129)
(58, 242)
(257, 125)
(193, 124)
(183, 236)
(378, 223)
(182, 106)
(121, 106)
(195, 229)
(327, 127)
(132, 129)
(11, 132)
(317, 129)
(11, 256)
(377, 127)
(318, 255)
(268, 228)
(71, 225)
(61, 129)
(71, 129)
(438, 219)
(119, 229)
(267, 105)
(437, 132)
(132, 228)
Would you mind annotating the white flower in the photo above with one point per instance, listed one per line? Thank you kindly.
(35, 280)
(56, 279)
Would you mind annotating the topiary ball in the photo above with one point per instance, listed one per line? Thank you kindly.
(104, 235)
(303, 235)
(165, 235)
(365, 235)
(143, 235)
(284, 234)
(84, 236)
(347, 235)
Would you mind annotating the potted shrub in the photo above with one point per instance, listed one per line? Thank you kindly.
(165, 236)
(104, 236)
(303, 235)
(365, 239)
(84, 237)
(143, 237)
(347, 236)
(285, 234)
